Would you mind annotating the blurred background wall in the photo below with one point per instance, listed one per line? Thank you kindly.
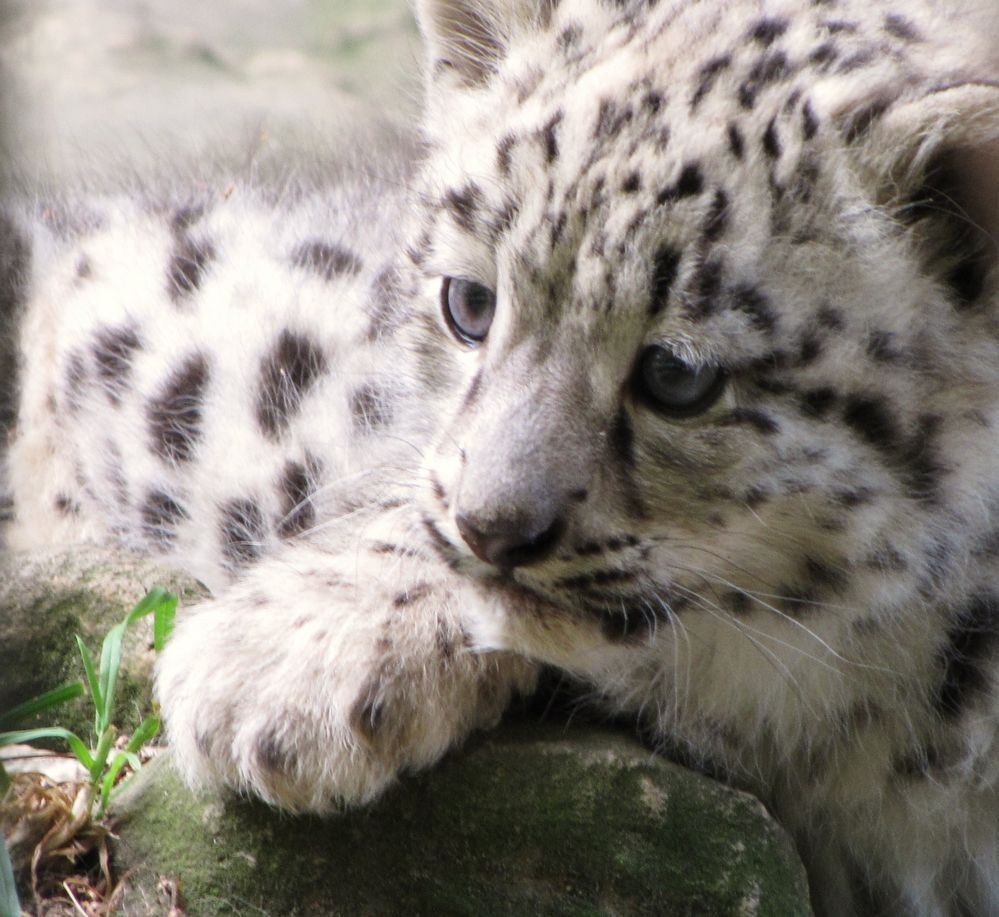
(89, 85)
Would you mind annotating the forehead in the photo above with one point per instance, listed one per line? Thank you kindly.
(615, 157)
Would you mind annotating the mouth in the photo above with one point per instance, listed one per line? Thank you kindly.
(622, 614)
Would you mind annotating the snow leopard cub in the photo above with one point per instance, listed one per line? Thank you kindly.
(677, 368)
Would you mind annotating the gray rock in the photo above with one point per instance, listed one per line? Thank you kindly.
(47, 597)
(529, 820)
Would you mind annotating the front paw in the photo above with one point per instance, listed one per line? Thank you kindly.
(305, 695)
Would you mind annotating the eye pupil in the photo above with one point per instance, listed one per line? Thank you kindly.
(675, 387)
(469, 308)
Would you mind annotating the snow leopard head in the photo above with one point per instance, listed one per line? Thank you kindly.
(718, 290)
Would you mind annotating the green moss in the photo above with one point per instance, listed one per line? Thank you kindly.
(47, 599)
(520, 824)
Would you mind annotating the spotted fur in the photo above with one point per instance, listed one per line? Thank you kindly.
(793, 206)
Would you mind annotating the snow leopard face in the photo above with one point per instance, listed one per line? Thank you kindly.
(717, 317)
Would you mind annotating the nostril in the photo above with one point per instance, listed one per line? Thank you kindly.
(475, 539)
(508, 546)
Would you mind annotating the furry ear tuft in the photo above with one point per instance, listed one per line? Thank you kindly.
(468, 38)
(935, 159)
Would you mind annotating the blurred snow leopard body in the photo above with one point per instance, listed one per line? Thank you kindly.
(674, 364)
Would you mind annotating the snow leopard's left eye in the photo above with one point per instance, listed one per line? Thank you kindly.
(469, 308)
(665, 382)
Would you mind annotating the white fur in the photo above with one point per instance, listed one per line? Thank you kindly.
(863, 711)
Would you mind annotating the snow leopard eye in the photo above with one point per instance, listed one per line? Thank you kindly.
(468, 308)
(667, 383)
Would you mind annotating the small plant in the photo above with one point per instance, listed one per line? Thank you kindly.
(69, 813)
(103, 762)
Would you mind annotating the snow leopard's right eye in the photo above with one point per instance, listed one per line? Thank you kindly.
(469, 308)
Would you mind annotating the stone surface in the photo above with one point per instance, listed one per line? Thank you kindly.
(47, 597)
(528, 820)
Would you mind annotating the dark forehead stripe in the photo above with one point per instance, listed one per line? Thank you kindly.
(632, 183)
(754, 302)
(771, 140)
(900, 27)
(612, 118)
(652, 101)
(664, 270)
(824, 55)
(707, 77)
(113, 350)
(286, 374)
(504, 152)
(569, 37)
(174, 416)
(690, 182)
(766, 31)
(549, 137)
(327, 259)
(463, 205)
(705, 285)
(717, 220)
(809, 121)
(772, 67)
(736, 143)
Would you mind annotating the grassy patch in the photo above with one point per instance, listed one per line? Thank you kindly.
(62, 821)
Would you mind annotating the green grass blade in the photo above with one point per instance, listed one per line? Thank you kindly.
(150, 603)
(37, 704)
(9, 905)
(92, 682)
(4, 780)
(148, 728)
(101, 753)
(163, 619)
(27, 736)
(108, 675)
(107, 784)
(156, 601)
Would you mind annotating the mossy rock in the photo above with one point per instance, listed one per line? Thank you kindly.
(529, 820)
(47, 597)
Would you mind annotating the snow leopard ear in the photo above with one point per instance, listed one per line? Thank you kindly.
(936, 160)
(468, 38)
